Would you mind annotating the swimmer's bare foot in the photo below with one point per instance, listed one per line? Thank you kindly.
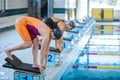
(41, 70)
(37, 66)
(9, 54)
(61, 49)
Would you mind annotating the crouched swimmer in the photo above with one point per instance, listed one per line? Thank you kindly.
(28, 28)
(54, 22)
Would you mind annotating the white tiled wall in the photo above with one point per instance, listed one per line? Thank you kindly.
(83, 8)
(0, 4)
(7, 21)
(117, 14)
(12, 4)
(78, 10)
(16, 4)
(60, 16)
(59, 4)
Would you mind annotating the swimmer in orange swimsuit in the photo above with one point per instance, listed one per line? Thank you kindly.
(55, 22)
(28, 28)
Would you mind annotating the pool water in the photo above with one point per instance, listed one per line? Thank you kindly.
(91, 74)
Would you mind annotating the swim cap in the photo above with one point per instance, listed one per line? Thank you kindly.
(71, 23)
(57, 33)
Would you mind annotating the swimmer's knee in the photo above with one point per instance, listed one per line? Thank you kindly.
(28, 44)
(36, 41)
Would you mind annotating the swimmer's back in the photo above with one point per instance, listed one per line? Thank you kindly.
(24, 20)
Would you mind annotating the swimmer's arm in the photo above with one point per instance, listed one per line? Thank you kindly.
(45, 33)
(45, 43)
(58, 44)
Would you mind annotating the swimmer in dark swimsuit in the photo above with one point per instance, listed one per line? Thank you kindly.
(55, 22)
(28, 29)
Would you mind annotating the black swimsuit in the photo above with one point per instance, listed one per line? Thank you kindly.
(52, 24)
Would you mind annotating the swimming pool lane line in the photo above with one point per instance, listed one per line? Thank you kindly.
(103, 67)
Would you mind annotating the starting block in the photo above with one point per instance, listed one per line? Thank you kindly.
(79, 30)
(23, 75)
(67, 43)
(52, 49)
(72, 35)
(54, 57)
(23, 71)
(73, 31)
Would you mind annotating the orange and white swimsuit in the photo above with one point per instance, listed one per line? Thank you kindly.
(27, 27)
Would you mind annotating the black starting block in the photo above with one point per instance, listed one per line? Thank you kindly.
(67, 39)
(72, 31)
(19, 65)
(52, 49)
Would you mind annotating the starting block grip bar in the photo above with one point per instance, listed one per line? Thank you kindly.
(72, 31)
(67, 39)
(52, 49)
